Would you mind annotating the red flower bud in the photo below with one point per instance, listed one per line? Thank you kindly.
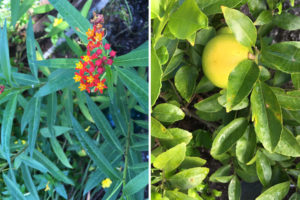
(112, 53)
(107, 46)
(109, 61)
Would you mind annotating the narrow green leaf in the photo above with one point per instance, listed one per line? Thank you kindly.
(58, 130)
(137, 183)
(170, 159)
(34, 124)
(263, 168)
(267, 116)
(73, 17)
(189, 178)
(30, 162)
(221, 173)
(278, 191)
(136, 58)
(240, 83)
(103, 125)
(42, 9)
(187, 20)
(29, 182)
(4, 54)
(30, 47)
(185, 81)
(136, 85)
(74, 46)
(15, 8)
(58, 63)
(59, 152)
(85, 10)
(52, 168)
(51, 111)
(241, 26)
(59, 79)
(191, 162)
(93, 151)
(6, 125)
(25, 79)
(13, 188)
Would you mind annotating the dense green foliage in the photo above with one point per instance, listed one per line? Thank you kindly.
(56, 141)
(251, 128)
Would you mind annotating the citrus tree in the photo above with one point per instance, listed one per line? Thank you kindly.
(224, 91)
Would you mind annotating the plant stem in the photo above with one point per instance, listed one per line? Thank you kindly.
(115, 190)
(13, 158)
(126, 158)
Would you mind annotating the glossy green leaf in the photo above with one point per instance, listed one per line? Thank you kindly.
(214, 6)
(172, 65)
(52, 168)
(158, 130)
(174, 195)
(246, 145)
(6, 125)
(209, 109)
(288, 145)
(170, 159)
(228, 136)
(187, 20)
(234, 189)
(163, 55)
(13, 188)
(223, 102)
(166, 112)
(85, 10)
(241, 26)
(222, 172)
(137, 183)
(179, 136)
(29, 182)
(287, 21)
(256, 7)
(34, 124)
(156, 76)
(191, 162)
(240, 83)
(267, 116)
(288, 100)
(4, 54)
(204, 85)
(296, 80)
(282, 56)
(263, 168)
(30, 47)
(278, 191)
(59, 79)
(58, 63)
(136, 58)
(185, 81)
(263, 18)
(136, 85)
(93, 151)
(189, 178)
(59, 152)
(73, 17)
(103, 124)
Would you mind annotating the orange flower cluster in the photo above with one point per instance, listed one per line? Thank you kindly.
(92, 65)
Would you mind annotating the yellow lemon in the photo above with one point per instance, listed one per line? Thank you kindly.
(220, 56)
(224, 30)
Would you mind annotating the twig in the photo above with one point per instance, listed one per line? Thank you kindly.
(212, 127)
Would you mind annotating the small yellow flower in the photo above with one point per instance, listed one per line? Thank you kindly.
(98, 36)
(87, 128)
(106, 183)
(57, 21)
(77, 78)
(90, 33)
(100, 86)
(47, 188)
(79, 65)
(86, 58)
(82, 87)
(23, 142)
(90, 79)
(16, 142)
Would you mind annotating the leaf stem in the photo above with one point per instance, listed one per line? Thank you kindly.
(126, 157)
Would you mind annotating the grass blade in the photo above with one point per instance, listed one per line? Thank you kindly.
(13, 189)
